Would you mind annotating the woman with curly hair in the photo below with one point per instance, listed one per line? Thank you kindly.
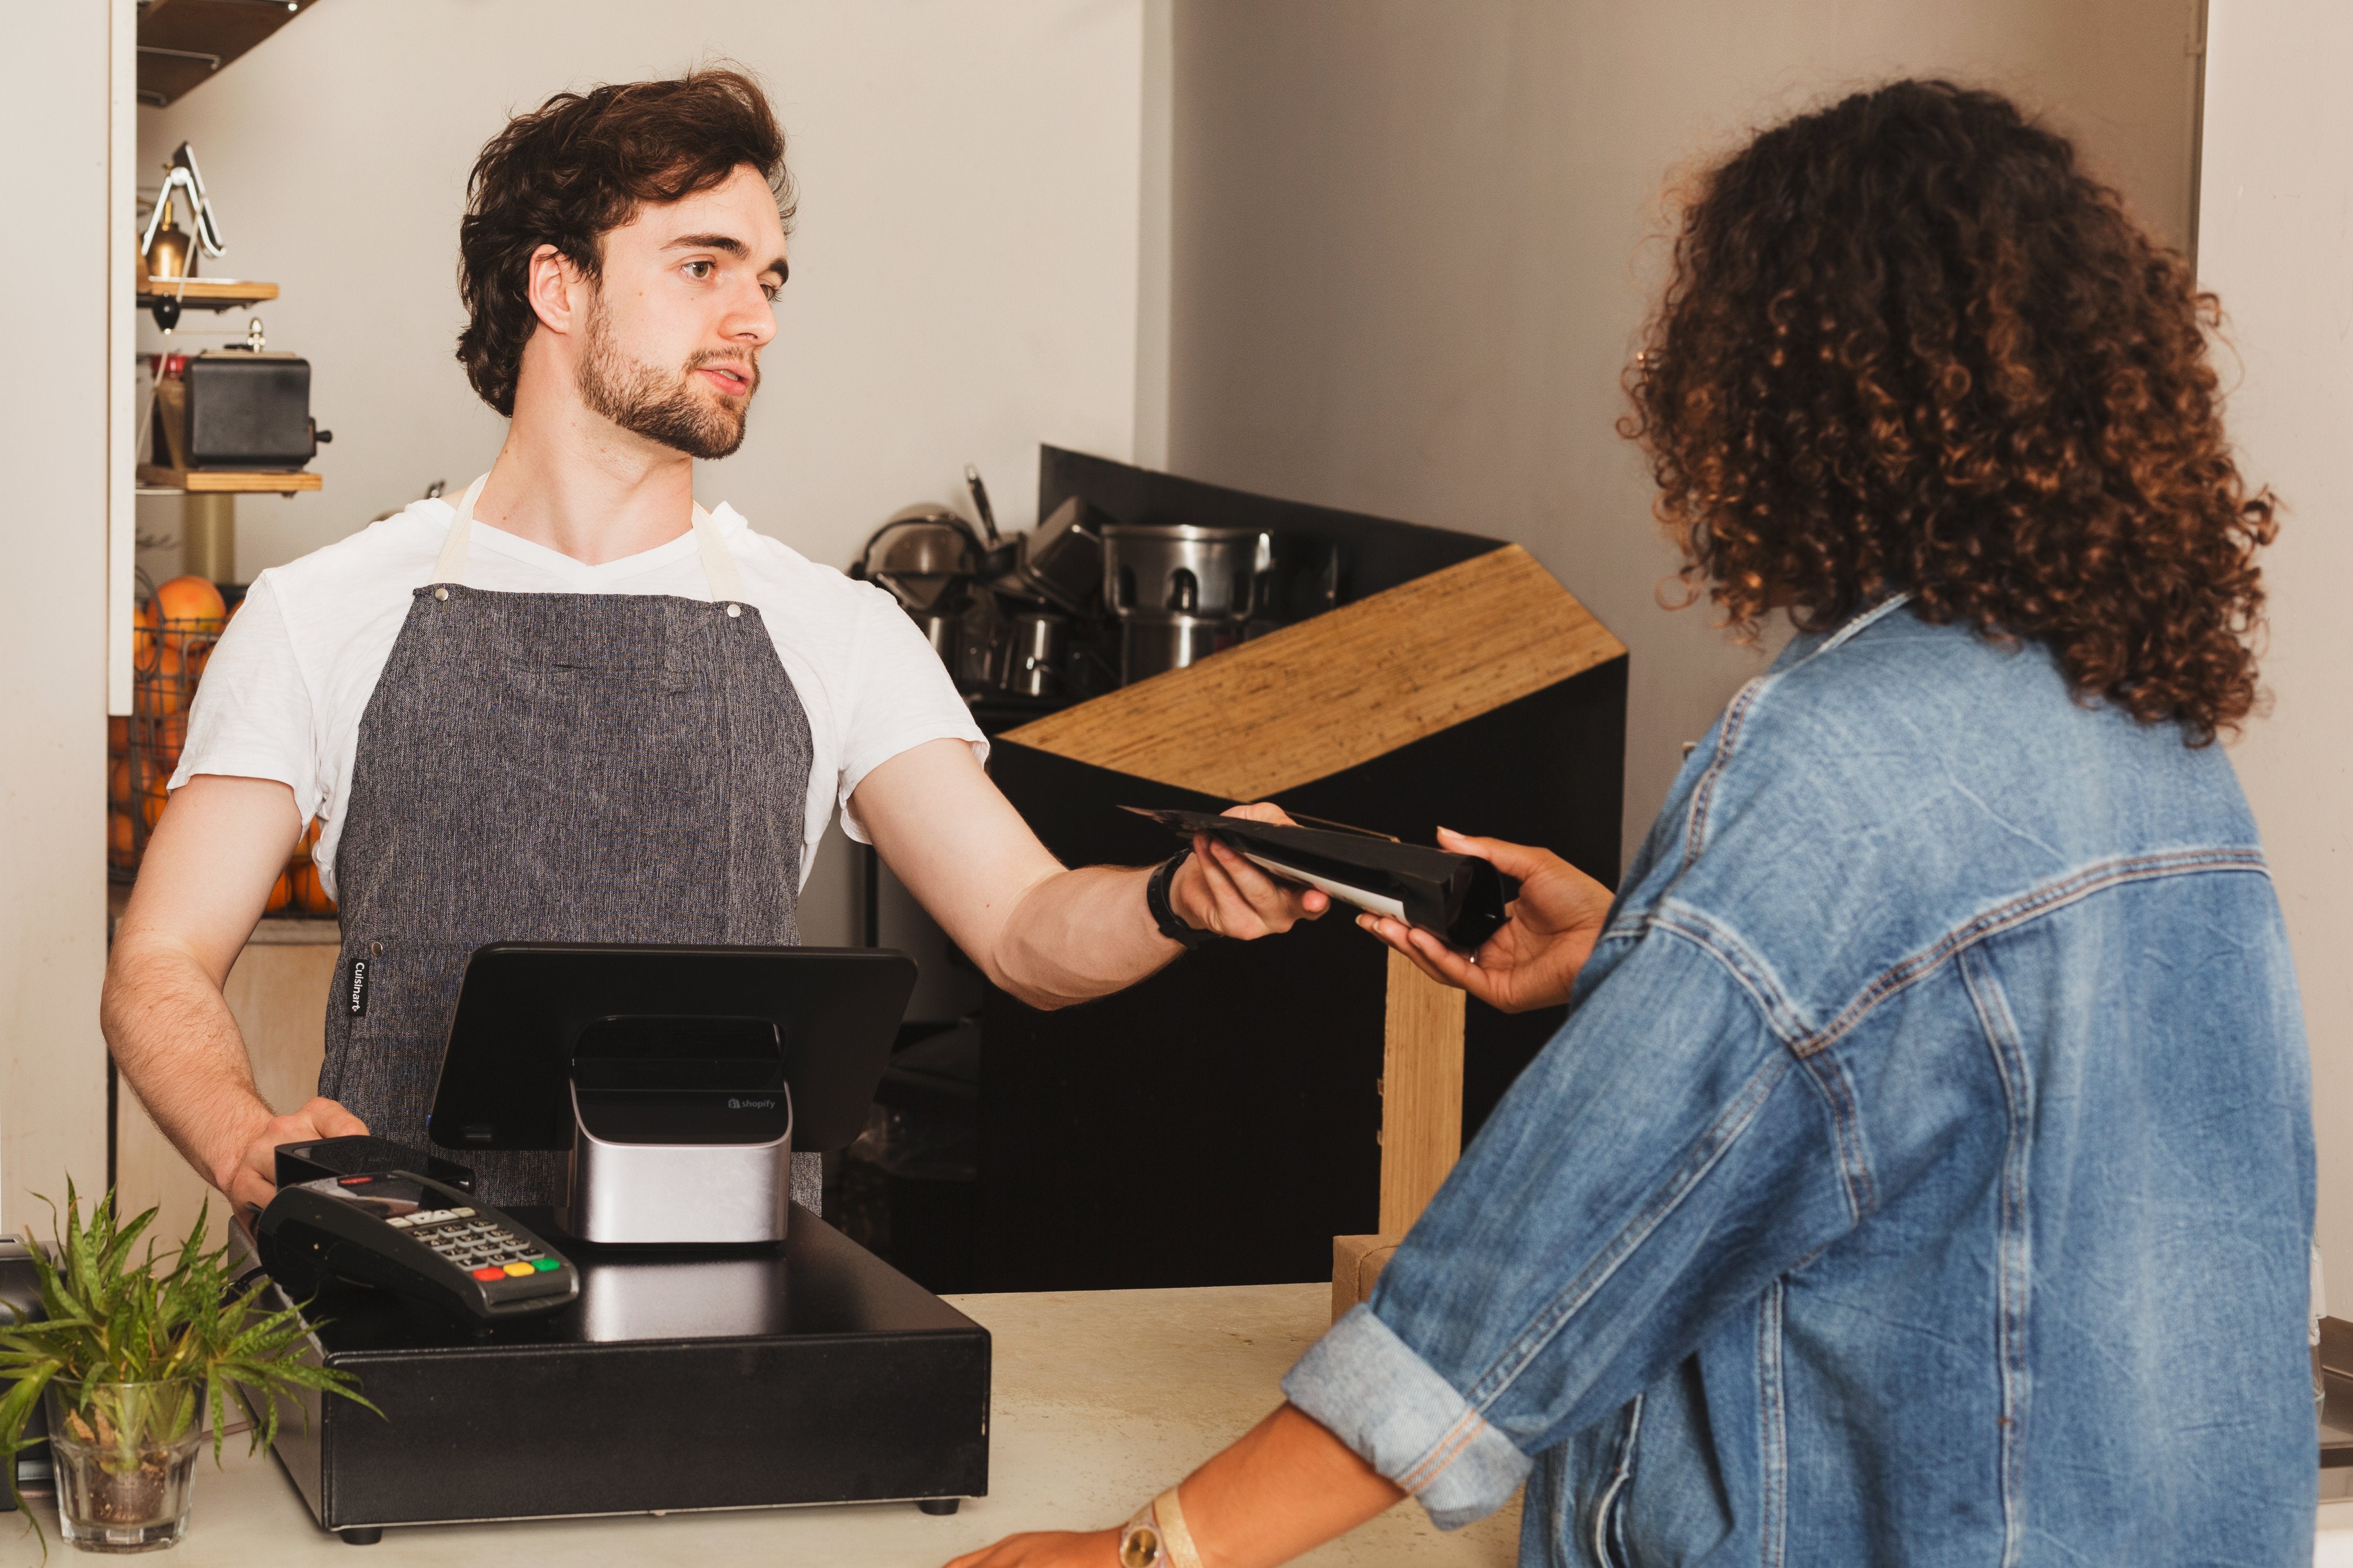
(1924, 1174)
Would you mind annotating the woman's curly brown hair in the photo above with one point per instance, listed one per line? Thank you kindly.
(1909, 345)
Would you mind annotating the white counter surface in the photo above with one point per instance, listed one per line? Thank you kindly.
(1100, 1399)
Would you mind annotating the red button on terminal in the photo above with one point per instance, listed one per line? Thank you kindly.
(487, 1275)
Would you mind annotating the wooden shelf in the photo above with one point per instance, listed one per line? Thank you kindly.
(182, 44)
(218, 481)
(208, 293)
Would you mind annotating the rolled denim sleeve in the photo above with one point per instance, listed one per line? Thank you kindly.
(1387, 1404)
(1664, 1159)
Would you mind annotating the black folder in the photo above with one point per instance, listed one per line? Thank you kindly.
(1458, 898)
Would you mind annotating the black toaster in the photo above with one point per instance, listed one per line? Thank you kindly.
(250, 410)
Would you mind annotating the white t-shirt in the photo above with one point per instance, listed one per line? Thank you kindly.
(282, 694)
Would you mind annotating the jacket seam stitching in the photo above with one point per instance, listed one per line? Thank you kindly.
(1773, 1436)
(1837, 1091)
(2012, 1273)
(2020, 911)
(1725, 947)
(1782, 1018)
(1735, 716)
(1444, 1452)
(1707, 1154)
(1704, 793)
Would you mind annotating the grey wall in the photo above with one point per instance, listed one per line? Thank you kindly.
(1409, 248)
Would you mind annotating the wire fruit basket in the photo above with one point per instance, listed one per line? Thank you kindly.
(168, 654)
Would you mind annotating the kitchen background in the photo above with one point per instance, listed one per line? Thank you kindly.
(1377, 254)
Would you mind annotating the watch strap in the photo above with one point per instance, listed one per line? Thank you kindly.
(1157, 1537)
(1163, 913)
(1174, 1531)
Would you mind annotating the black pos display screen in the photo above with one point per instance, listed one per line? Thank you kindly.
(724, 1022)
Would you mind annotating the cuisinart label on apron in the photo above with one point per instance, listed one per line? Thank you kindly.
(355, 996)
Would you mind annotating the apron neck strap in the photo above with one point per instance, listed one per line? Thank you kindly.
(718, 565)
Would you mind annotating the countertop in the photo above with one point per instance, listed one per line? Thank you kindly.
(1100, 1399)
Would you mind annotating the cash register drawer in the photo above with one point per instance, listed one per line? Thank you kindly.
(813, 1373)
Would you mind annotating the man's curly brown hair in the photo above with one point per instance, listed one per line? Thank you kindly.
(581, 165)
(1909, 345)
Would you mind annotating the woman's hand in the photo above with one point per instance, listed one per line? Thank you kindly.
(1220, 890)
(1534, 961)
(1048, 1549)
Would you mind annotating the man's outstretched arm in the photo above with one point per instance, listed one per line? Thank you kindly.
(203, 884)
(1050, 936)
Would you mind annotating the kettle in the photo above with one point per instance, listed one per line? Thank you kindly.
(925, 555)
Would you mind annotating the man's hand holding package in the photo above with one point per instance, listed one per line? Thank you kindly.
(1220, 889)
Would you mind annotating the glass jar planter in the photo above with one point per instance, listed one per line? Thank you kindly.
(125, 1456)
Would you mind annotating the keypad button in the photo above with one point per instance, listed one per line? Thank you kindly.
(487, 1274)
(519, 1270)
(400, 1222)
(463, 1214)
(545, 1265)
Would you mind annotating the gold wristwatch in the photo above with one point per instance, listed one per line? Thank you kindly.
(1157, 1537)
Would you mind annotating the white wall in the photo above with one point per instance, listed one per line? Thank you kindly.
(1410, 263)
(963, 266)
(54, 112)
(2276, 243)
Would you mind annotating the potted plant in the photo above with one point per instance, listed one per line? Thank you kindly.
(131, 1355)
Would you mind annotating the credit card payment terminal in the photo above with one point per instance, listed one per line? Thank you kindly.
(399, 1231)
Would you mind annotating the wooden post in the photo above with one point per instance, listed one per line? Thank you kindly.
(1422, 1093)
(1421, 1122)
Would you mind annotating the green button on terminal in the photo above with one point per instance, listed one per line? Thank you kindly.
(545, 1265)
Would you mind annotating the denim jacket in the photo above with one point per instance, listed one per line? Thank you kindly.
(1924, 1174)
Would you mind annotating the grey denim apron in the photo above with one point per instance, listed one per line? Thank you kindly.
(555, 767)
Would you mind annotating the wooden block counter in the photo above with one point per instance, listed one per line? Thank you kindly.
(1101, 1398)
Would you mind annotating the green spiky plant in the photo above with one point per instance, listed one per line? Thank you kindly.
(112, 1317)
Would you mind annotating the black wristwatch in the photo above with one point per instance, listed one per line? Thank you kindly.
(1163, 913)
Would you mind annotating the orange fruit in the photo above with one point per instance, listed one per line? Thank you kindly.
(282, 894)
(310, 897)
(143, 622)
(118, 784)
(118, 737)
(154, 798)
(163, 687)
(165, 736)
(191, 605)
(121, 846)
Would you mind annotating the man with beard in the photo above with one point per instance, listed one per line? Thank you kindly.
(574, 706)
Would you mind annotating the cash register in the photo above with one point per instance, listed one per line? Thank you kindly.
(675, 1334)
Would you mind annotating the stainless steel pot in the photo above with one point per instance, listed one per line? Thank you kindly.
(1035, 655)
(1151, 645)
(1178, 570)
